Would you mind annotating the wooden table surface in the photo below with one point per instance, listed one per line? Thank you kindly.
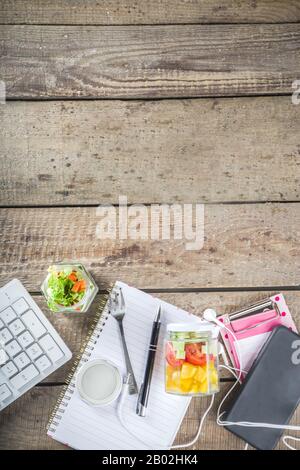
(180, 101)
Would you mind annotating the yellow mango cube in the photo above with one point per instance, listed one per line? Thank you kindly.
(214, 377)
(176, 377)
(203, 387)
(200, 375)
(169, 383)
(172, 378)
(188, 370)
(195, 387)
(169, 370)
(186, 385)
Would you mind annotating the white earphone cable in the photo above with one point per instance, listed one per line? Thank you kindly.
(124, 395)
(122, 399)
(292, 438)
(232, 370)
(192, 442)
(239, 372)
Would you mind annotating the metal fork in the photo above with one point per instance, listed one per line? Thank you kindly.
(118, 312)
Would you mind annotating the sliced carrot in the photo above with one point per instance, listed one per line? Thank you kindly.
(72, 277)
(82, 285)
(77, 286)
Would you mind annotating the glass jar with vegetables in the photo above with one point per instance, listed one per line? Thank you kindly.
(68, 287)
(191, 359)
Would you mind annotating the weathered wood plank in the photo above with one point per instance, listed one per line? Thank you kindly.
(84, 152)
(148, 61)
(245, 245)
(32, 411)
(213, 436)
(23, 424)
(74, 328)
(110, 12)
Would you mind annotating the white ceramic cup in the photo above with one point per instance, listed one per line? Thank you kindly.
(99, 382)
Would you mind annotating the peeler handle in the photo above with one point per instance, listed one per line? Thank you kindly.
(259, 306)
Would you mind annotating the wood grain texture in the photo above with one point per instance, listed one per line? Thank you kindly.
(245, 245)
(110, 12)
(74, 328)
(23, 424)
(34, 408)
(213, 436)
(32, 412)
(148, 61)
(200, 150)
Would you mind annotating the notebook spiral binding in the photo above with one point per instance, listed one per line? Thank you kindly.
(82, 357)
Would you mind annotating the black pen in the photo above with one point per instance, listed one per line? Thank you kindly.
(145, 387)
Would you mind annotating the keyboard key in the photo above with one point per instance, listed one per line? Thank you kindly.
(20, 306)
(13, 348)
(8, 315)
(25, 376)
(5, 335)
(22, 360)
(33, 324)
(4, 392)
(43, 363)
(25, 339)
(51, 348)
(34, 351)
(17, 327)
(3, 356)
(9, 369)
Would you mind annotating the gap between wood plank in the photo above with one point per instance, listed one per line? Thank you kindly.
(63, 384)
(96, 25)
(111, 98)
(147, 204)
(195, 290)
(223, 379)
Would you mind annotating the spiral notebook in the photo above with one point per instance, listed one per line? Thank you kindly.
(80, 426)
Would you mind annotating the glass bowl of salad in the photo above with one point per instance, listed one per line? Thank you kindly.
(68, 287)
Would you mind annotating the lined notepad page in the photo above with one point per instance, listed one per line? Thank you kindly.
(84, 427)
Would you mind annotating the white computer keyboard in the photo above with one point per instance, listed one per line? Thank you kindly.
(30, 348)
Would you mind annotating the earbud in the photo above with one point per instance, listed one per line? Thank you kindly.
(209, 314)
